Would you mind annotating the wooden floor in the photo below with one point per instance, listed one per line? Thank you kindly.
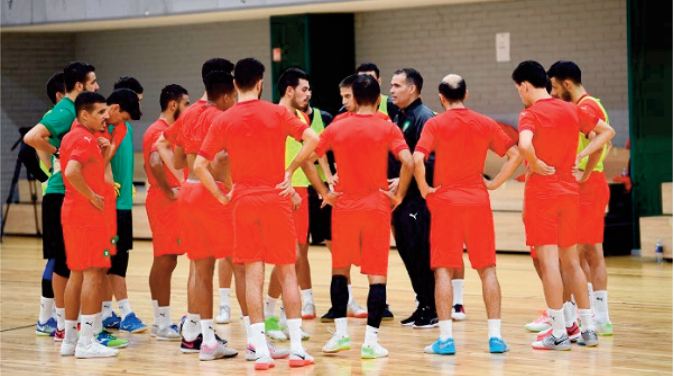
(640, 303)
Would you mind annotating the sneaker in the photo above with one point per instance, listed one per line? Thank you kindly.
(410, 320)
(187, 347)
(573, 332)
(309, 311)
(224, 316)
(553, 343)
(541, 324)
(427, 318)
(604, 328)
(355, 310)
(329, 316)
(68, 349)
(59, 335)
(275, 352)
(264, 363)
(305, 335)
(112, 322)
(337, 343)
(588, 338)
(94, 350)
(132, 324)
(168, 333)
(106, 339)
(458, 312)
(373, 352)
(296, 360)
(47, 329)
(388, 315)
(218, 351)
(273, 329)
(497, 345)
(441, 347)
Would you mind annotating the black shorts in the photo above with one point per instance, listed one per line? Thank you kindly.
(124, 230)
(320, 219)
(53, 246)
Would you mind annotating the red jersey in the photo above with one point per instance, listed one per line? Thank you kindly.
(361, 144)
(254, 135)
(344, 115)
(149, 138)
(556, 125)
(174, 132)
(460, 139)
(195, 133)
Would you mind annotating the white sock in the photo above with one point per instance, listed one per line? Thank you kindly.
(191, 328)
(269, 306)
(245, 321)
(445, 329)
(163, 319)
(61, 319)
(494, 327)
(600, 301)
(98, 323)
(342, 326)
(295, 333)
(70, 326)
(307, 297)
(87, 329)
(557, 319)
(371, 335)
(106, 309)
(586, 319)
(282, 317)
(224, 297)
(590, 290)
(457, 291)
(569, 313)
(350, 294)
(258, 340)
(155, 311)
(124, 307)
(46, 306)
(208, 332)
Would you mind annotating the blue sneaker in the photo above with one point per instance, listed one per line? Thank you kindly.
(112, 322)
(441, 347)
(497, 345)
(106, 339)
(46, 329)
(131, 323)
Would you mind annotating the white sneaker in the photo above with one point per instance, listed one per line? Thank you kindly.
(275, 352)
(337, 343)
(458, 312)
(218, 351)
(169, 333)
(68, 349)
(94, 350)
(373, 351)
(264, 363)
(224, 316)
(355, 310)
(309, 311)
(296, 360)
(305, 335)
(541, 324)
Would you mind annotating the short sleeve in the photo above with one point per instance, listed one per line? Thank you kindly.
(171, 133)
(293, 126)
(83, 150)
(588, 120)
(426, 143)
(57, 121)
(214, 141)
(500, 142)
(118, 133)
(325, 141)
(527, 121)
(397, 140)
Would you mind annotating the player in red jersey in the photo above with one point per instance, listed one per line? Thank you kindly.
(459, 204)
(548, 141)
(253, 133)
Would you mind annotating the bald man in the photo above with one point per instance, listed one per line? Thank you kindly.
(459, 204)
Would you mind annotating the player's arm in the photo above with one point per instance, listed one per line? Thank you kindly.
(165, 151)
(604, 134)
(38, 138)
(309, 142)
(45, 158)
(157, 168)
(325, 166)
(74, 175)
(405, 177)
(201, 169)
(526, 148)
(420, 174)
(507, 169)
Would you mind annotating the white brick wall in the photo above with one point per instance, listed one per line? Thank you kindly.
(461, 39)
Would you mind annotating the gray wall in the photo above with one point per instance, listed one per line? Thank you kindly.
(461, 39)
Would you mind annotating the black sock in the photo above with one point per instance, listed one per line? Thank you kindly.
(47, 290)
(376, 303)
(339, 295)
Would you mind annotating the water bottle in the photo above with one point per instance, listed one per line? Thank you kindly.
(659, 252)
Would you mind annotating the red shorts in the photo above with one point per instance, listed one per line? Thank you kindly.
(361, 237)
(301, 216)
(206, 224)
(163, 215)
(552, 221)
(594, 197)
(453, 226)
(264, 228)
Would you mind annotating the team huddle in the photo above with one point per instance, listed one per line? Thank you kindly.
(236, 182)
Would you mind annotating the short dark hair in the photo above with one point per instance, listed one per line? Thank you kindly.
(368, 67)
(219, 83)
(215, 64)
(76, 72)
(127, 100)
(248, 72)
(348, 80)
(290, 78)
(565, 70)
(55, 84)
(412, 77)
(128, 82)
(531, 72)
(86, 100)
(453, 94)
(172, 92)
(365, 90)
